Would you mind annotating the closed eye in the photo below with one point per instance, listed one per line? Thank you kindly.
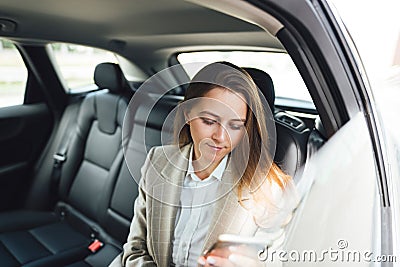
(208, 121)
(236, 126)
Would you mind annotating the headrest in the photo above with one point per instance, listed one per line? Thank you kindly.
(264, 83)
(320, 127)
(109, 76)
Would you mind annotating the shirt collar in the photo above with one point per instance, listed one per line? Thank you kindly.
(217, 173)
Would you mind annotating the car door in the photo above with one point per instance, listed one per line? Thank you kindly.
(346, 210)
(346, 202)
(25, 122)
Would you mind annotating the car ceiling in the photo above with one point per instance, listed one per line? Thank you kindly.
(141, 30)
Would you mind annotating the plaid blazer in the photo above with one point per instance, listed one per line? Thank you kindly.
(152, 228)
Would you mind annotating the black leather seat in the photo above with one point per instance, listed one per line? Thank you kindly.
(96, 191)
(144, 131)
(264, 82)
(88, 179)
(317, 138)
(291, 132)
(150, 122)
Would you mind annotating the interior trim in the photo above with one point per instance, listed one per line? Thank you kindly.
(244, 11)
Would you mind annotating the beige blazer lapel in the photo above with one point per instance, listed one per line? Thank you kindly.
(166, 196)
(169, 173)
(229, 216)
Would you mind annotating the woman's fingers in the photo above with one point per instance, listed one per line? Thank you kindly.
(234, 260)
(218, 261)
(213, 261)
(232, 256)
(201, 261)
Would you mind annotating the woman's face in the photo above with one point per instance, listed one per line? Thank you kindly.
(217, 124)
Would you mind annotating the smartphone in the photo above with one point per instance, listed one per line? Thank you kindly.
(221, 247)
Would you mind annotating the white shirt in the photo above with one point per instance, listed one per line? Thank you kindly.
(194, 215)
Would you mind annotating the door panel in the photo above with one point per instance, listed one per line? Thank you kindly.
(24, 131)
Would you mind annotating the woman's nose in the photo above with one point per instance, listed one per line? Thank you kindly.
(219, 133)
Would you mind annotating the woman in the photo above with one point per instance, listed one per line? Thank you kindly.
(218, 178)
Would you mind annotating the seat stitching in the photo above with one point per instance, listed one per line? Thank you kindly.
(9, 252)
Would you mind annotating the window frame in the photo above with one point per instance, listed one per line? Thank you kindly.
(295, 105)
(26, 99)
(81, 89)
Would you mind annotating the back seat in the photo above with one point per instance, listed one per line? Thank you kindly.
(291, 132)
(96, 192)
(146, 120)
(146, 128)
(88, 204)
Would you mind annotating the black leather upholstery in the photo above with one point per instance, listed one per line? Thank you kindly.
(148, 120)
(319, 127)
(90, 204)
(291, 133)
(317, 138)
(264, 82)
(291, 148)
(109, 76)
(43, 239)
(97, 191)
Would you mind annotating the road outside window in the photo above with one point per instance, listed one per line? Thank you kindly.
(13, 75)
(77, 63)
(287, 80)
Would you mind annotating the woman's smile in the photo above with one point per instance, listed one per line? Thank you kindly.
(215, 148)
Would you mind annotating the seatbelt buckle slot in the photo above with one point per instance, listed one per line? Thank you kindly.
(95, 246)
(59, 158)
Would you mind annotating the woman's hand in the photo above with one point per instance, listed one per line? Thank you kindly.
(233, 256)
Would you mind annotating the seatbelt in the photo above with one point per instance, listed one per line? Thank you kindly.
(60, 156)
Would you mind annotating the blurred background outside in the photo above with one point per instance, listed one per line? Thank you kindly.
(375, 31)
(76, 65)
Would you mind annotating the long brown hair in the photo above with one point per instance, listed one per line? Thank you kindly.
(259, 165)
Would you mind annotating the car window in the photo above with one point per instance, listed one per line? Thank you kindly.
(287, 80)
(13, 75)
(76, 64)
